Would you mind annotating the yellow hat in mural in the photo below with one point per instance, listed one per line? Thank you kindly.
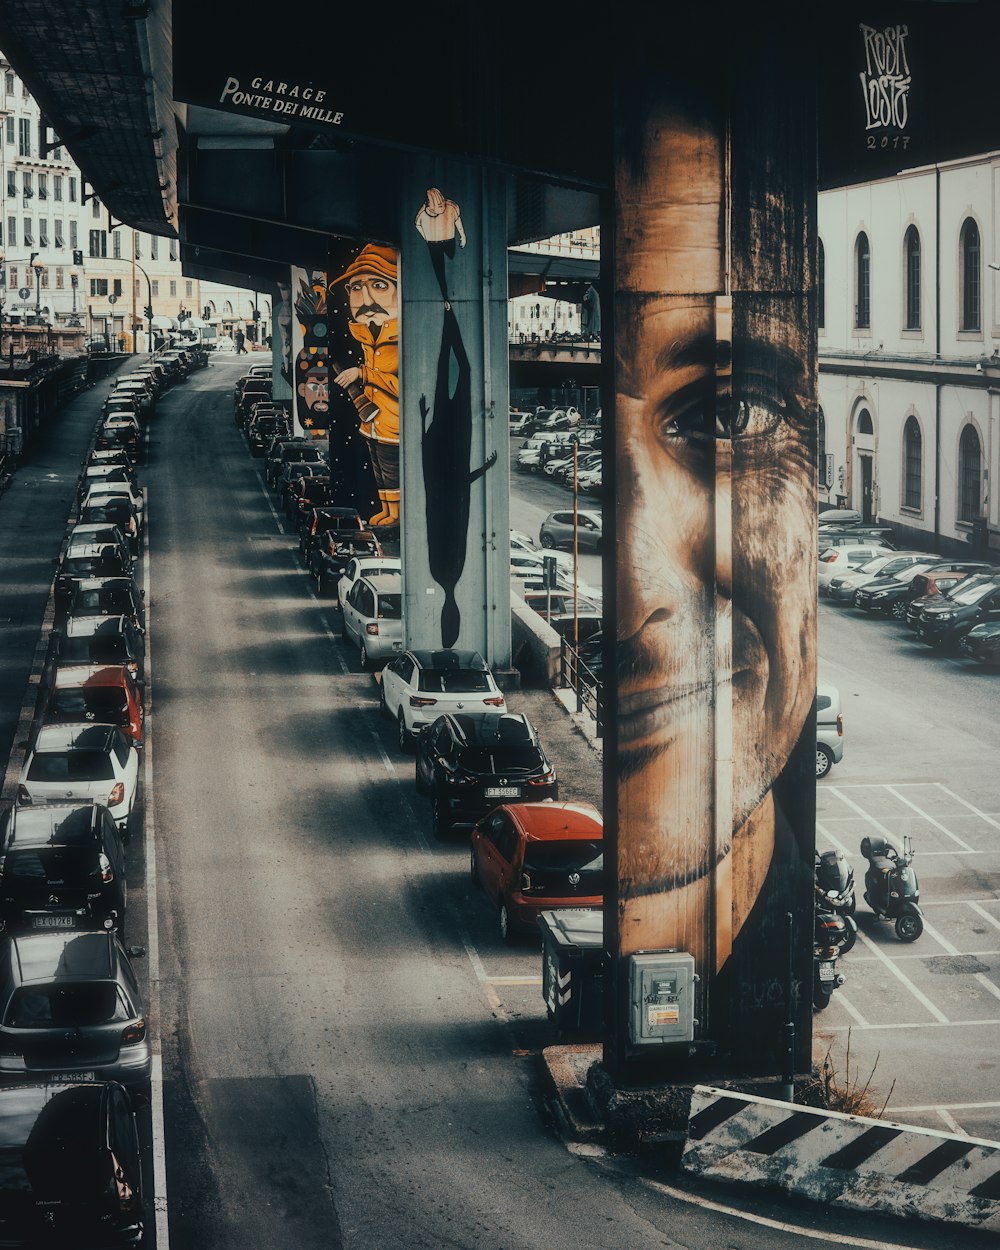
(373, 258)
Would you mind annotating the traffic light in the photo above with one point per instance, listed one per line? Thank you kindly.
(206, 312)
(147, 312)
(77, 256)
(256, 314)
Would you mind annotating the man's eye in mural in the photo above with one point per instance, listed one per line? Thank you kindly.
(692, 416)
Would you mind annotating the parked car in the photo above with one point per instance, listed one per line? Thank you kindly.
(884, 567)
(89, 560)
(103, 693)
(110, 455)
(120, 434)
(293, 471)
(468, 762)
(893, 597)
(309, 491)
(943, 624)
(371, 617)
(829, 728)
(830, 514)
(105, 596)
(557, 530)
(81, 760)
(95, 474)
(101, 491)
(286, 449)
(318, 521)
(72, 1173)
(418, 686)
(116, 510)
(99, 640)
(532, 857)
(363, 566)
(838, 561)
(71, 1010)
(521, 422)
(262, 428)
(880, 539)
(62, 867)
(86, 535)
(142, 391)
(333, 550)
(982, 643)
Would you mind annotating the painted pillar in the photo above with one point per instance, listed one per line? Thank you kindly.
(281, 342)
(453, 413)
(712, 736)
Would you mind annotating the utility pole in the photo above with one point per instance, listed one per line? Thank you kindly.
(134, 335)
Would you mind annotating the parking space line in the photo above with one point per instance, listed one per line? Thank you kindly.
(952, 1106)
(981, 911)
(901, 976)
(949, 949)
(913, 1024)
(930, 819)
(837, 844)
(952, 1123)
(902, 957)
(513, 980)
(848, 1006)
(971, 806)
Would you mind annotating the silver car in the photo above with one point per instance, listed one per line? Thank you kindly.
(557, 530)
(829, 729)
(372, 617)
(881, 567)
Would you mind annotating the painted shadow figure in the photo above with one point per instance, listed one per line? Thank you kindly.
(446, 446)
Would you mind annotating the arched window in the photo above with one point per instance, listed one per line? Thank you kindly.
(912, 248)
(821, 286)
(227, 310)
(211, 308)
(862, 283)
(912, 462)
(971, 283)
(970, 475)
(865, 422)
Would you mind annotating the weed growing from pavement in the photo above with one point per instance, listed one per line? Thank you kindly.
(850, 1097)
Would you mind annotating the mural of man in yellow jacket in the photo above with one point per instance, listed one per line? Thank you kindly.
(372, 292)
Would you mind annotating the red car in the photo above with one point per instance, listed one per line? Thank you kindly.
(107, 693)
(531, 857)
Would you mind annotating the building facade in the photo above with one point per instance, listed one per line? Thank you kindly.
(909, 349)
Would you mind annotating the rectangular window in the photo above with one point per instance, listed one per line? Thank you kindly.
(11, 184)
(43, 186)
(12, 276)
(138, 253)
(188, 289)
(72, 190)
(29, 189)
(59, 278)
(57, 187)
(116, 244)
(173, 250)
(57, 227)
(137, 291)
(99, 243)
(9, 130)
(156, 286)
(24, 136)
(98, 286)
(74, 238)
(154, 247)
(173, 287)
(27, 232)
(43, 232)
(12, 233)
(95, 207)
(45, 278)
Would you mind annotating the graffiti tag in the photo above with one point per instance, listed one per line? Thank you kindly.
(885, 80)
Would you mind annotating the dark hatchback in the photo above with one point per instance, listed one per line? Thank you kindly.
(469, 762)
(942, 624)
(982, 643)
(115, 510)
(105, 596)
(99, 561)
(99, 639)
(294, 471)
(63, 867)
(70, 1167)
(333, 551)
(306, 493)
(316, 522)
(262, 429)
(286, 449)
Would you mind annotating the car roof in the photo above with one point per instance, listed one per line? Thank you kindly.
(450, 659)
(82, 550)
(88, 626)
(116, 582)
(385, 583)
(53, 824)
(91, 675)
(64, 956)
(75, 736)
(553, 822)
(480, 729)
(72, 1119)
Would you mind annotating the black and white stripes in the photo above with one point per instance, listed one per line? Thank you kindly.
(844, 1160)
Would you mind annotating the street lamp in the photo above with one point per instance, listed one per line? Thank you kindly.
(74, 278)
(149, 309)
(38, 266)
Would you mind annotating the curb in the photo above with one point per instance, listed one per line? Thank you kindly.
(843, 1160)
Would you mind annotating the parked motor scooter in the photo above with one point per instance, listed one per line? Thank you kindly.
(826, 978)
(891, 888)
(835, 896)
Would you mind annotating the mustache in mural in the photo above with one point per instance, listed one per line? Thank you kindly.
(368, 310)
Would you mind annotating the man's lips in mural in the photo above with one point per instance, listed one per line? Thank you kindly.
(648, 713)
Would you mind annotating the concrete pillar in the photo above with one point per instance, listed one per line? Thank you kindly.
(711, 738)
(454, 442)
(281, 323)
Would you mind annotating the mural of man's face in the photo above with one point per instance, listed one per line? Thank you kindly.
(690, 474)
(372, 299)
(314, 389)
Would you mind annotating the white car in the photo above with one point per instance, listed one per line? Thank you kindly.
(524, 545)
(107, 490)
(372, 617)
(419, 686)
(80, 761)
(361, 566)
(829, 729)
(836, 561)
(881, 568)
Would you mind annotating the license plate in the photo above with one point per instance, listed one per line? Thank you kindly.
(53, 922)
(826, 971)
(503, 792)
(72, 1076)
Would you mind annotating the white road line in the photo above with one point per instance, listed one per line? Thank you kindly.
(981, 911)
(948, 948)
(951, 1122)
(918, 994)
(972, 808)
(837, 845)
(153, 924)
(848, 1006)
(514, 980)
(864, 959)
(952, 1106)
(913, 1024)
(930, 819)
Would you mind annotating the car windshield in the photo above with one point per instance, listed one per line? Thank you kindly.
(501, 759)
(452, 681)
(974, 593)
(102, 601)
(873, 566)
(390, 607)
(84, 566)
(95, 703)
(71, 766)
(56, 864)
(100, 649)
(65, 1006)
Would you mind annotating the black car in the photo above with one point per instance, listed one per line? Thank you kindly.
(63, 867)
(317, 521)
(86, 534)
(72, 1173)
(104, 596)
(982, 643)
(331, 553)
(893, 596)
(99, 639)
(469, 762)
(294, 470)
(307, 492)
(942, 624)
(93, 560)
(262, 428)
(115, 510)
(301, 449)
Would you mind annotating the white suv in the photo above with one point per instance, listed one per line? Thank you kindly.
(419, 686)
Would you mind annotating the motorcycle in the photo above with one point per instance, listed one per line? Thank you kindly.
(835, 898)
(826, 978)
(891, 888)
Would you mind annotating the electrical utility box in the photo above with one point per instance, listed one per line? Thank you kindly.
(661, 997)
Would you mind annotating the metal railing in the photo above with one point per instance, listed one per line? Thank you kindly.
(574, 674)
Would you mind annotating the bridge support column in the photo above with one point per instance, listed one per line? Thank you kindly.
(454, 439)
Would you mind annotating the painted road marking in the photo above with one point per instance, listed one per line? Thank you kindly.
(972, 808)
(930, 819)
(901, 976)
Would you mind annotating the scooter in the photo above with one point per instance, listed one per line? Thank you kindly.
(891, 888)
(826, 978)
(835, 897)
(832, 928)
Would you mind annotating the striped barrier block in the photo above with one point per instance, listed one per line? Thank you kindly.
(843, 1160)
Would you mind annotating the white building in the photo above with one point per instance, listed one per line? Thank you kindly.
(909, 351)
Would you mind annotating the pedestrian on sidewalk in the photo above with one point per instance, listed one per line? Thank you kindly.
(240, 346)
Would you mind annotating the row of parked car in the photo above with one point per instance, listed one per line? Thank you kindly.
(482, 767)
(550, 453)
(951, 605)
(75, 1057)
